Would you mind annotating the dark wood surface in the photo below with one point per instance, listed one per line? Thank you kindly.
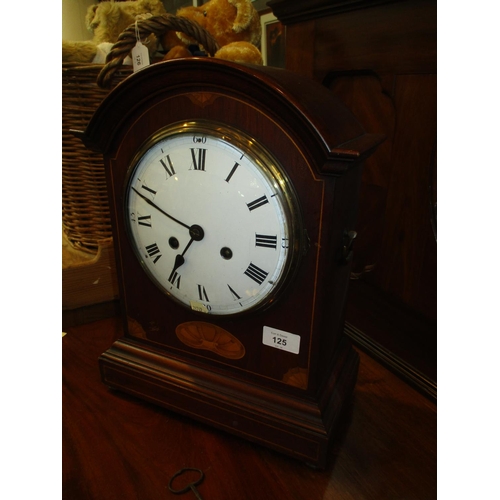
(379, 58)
(397, 336)
(117, 447)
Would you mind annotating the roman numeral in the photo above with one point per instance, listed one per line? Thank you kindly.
(256, 273)
(175, 279)
(144, 220)
(202, 293)
(168, 168)
(257, 203)
(266, 240)
(148, 189)
(198, 159)
(153, 250)
(233, 293)
(233, 170)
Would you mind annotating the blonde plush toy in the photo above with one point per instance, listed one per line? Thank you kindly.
(107, 20)
(235, 25)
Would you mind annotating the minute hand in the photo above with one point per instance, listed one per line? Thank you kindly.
(147, 200)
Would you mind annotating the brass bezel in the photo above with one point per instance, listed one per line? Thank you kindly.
(272, 169)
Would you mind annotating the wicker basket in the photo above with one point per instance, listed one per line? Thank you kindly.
(86, 215)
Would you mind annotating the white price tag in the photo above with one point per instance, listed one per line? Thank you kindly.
(280, 339)
(140, 56)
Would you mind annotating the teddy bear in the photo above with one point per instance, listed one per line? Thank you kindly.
(235, 25)
(107, 20)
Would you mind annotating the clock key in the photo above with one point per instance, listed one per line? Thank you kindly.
(191, 486)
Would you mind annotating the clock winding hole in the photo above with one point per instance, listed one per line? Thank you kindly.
(226, 253)
(173, 242)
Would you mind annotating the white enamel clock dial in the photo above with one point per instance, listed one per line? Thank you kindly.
(212, 219)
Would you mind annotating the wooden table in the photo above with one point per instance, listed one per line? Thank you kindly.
(118, 447)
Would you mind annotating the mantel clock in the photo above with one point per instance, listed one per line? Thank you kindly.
(233, 193)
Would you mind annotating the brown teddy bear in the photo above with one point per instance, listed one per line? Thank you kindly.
(235, 25)
(107, 20)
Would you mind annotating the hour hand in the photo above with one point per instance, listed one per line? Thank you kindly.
(179, 260)
(147, 200)
(197, 234)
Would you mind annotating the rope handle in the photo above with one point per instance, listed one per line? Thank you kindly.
(157, 25)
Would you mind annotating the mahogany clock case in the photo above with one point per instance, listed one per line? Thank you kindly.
(171, 355)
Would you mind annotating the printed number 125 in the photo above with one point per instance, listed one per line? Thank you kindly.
(279, 341)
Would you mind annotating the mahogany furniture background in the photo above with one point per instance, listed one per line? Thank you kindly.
(379, 57)
(115, 446)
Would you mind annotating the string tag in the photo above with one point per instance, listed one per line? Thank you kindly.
(140, 53)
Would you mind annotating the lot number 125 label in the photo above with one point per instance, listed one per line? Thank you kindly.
(280, 339)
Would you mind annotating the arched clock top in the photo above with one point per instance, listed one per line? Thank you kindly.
(308, 111)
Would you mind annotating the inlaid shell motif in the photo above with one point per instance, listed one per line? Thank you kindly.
(201, 335)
